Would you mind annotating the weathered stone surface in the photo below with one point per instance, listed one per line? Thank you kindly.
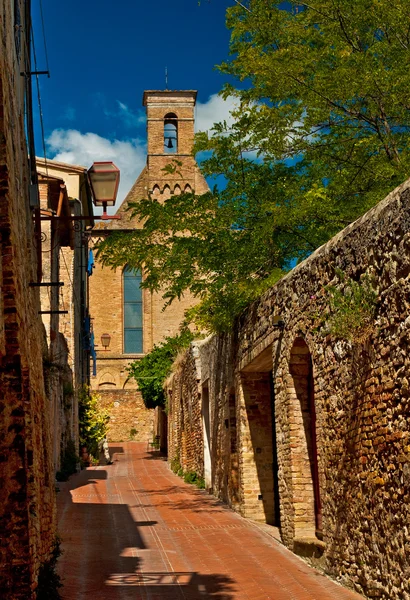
(129, 419)
(27, 507)
(338, 466)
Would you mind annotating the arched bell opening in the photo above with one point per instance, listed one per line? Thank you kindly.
(170, 133)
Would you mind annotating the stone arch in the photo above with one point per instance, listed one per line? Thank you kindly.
(177, 190)
(303, 442)
(187, 189)
(129, 384)
(166, 192)
(156, 191)
(107, 381)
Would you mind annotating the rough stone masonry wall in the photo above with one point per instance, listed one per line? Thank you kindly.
(27, 509)
(129, 418)
(185, 434)
(205, 371)
(361, 400)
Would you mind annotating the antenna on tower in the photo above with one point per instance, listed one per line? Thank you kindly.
(166, 78)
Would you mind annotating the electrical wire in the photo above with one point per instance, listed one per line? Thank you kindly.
(44, 36)
(39, 101)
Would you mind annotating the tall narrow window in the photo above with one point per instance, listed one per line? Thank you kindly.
(170, 133)
(132, 312)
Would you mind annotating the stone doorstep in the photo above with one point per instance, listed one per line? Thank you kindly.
(306, 547)
(309, 547)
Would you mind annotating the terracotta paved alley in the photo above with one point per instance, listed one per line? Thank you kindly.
(134, 530)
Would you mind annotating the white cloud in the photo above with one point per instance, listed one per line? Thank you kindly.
(124, 113)
(215, 110)
(73, 147)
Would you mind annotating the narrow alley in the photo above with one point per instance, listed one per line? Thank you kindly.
(134, 530)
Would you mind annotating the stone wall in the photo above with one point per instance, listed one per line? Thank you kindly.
(27, 502)
(129, 419)
(322, 422)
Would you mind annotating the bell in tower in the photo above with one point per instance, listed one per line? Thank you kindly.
(170, 133)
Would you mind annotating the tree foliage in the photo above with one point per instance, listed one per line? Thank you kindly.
(151, 371)
(320, 134)
(93, 421)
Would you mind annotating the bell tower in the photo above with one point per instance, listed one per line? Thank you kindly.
(170, 137)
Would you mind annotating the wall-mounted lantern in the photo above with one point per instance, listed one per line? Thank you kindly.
(105, 340)
(104, 180)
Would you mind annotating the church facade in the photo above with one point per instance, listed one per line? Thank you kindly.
(133, 319)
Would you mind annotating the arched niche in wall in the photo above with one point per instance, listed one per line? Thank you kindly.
(303, 441)
(156, 191)
(107, 381)
(166, 192)
(177, 190)
(188, 189)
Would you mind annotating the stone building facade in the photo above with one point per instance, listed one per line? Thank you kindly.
(135, 320)
(64, 303)
(307, 430)
(27, 502)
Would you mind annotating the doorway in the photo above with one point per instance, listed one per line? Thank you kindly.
(206, 428)
(306, 484)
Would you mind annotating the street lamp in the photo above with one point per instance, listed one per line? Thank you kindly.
(105, 340)
(104, 179)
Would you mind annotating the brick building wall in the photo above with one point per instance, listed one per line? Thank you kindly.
(106, 285)
(322, 423)
(27, 503)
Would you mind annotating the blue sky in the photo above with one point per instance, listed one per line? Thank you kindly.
(103, 55)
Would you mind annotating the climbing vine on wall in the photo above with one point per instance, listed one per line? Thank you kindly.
(151, 371)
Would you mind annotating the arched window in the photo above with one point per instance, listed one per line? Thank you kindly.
(170, 133)
(132, 303)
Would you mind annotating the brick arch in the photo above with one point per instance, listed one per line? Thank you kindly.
(166, 192)
(303, 441)
(129, 384)
(155, 191)
(107, 380)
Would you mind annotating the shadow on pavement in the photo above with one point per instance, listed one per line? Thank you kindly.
(104, 548)
(177, 585)
(184, 498)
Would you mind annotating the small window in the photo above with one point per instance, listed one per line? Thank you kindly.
(132, 311)
(170, 133)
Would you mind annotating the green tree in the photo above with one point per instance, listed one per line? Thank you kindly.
(320, 134)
